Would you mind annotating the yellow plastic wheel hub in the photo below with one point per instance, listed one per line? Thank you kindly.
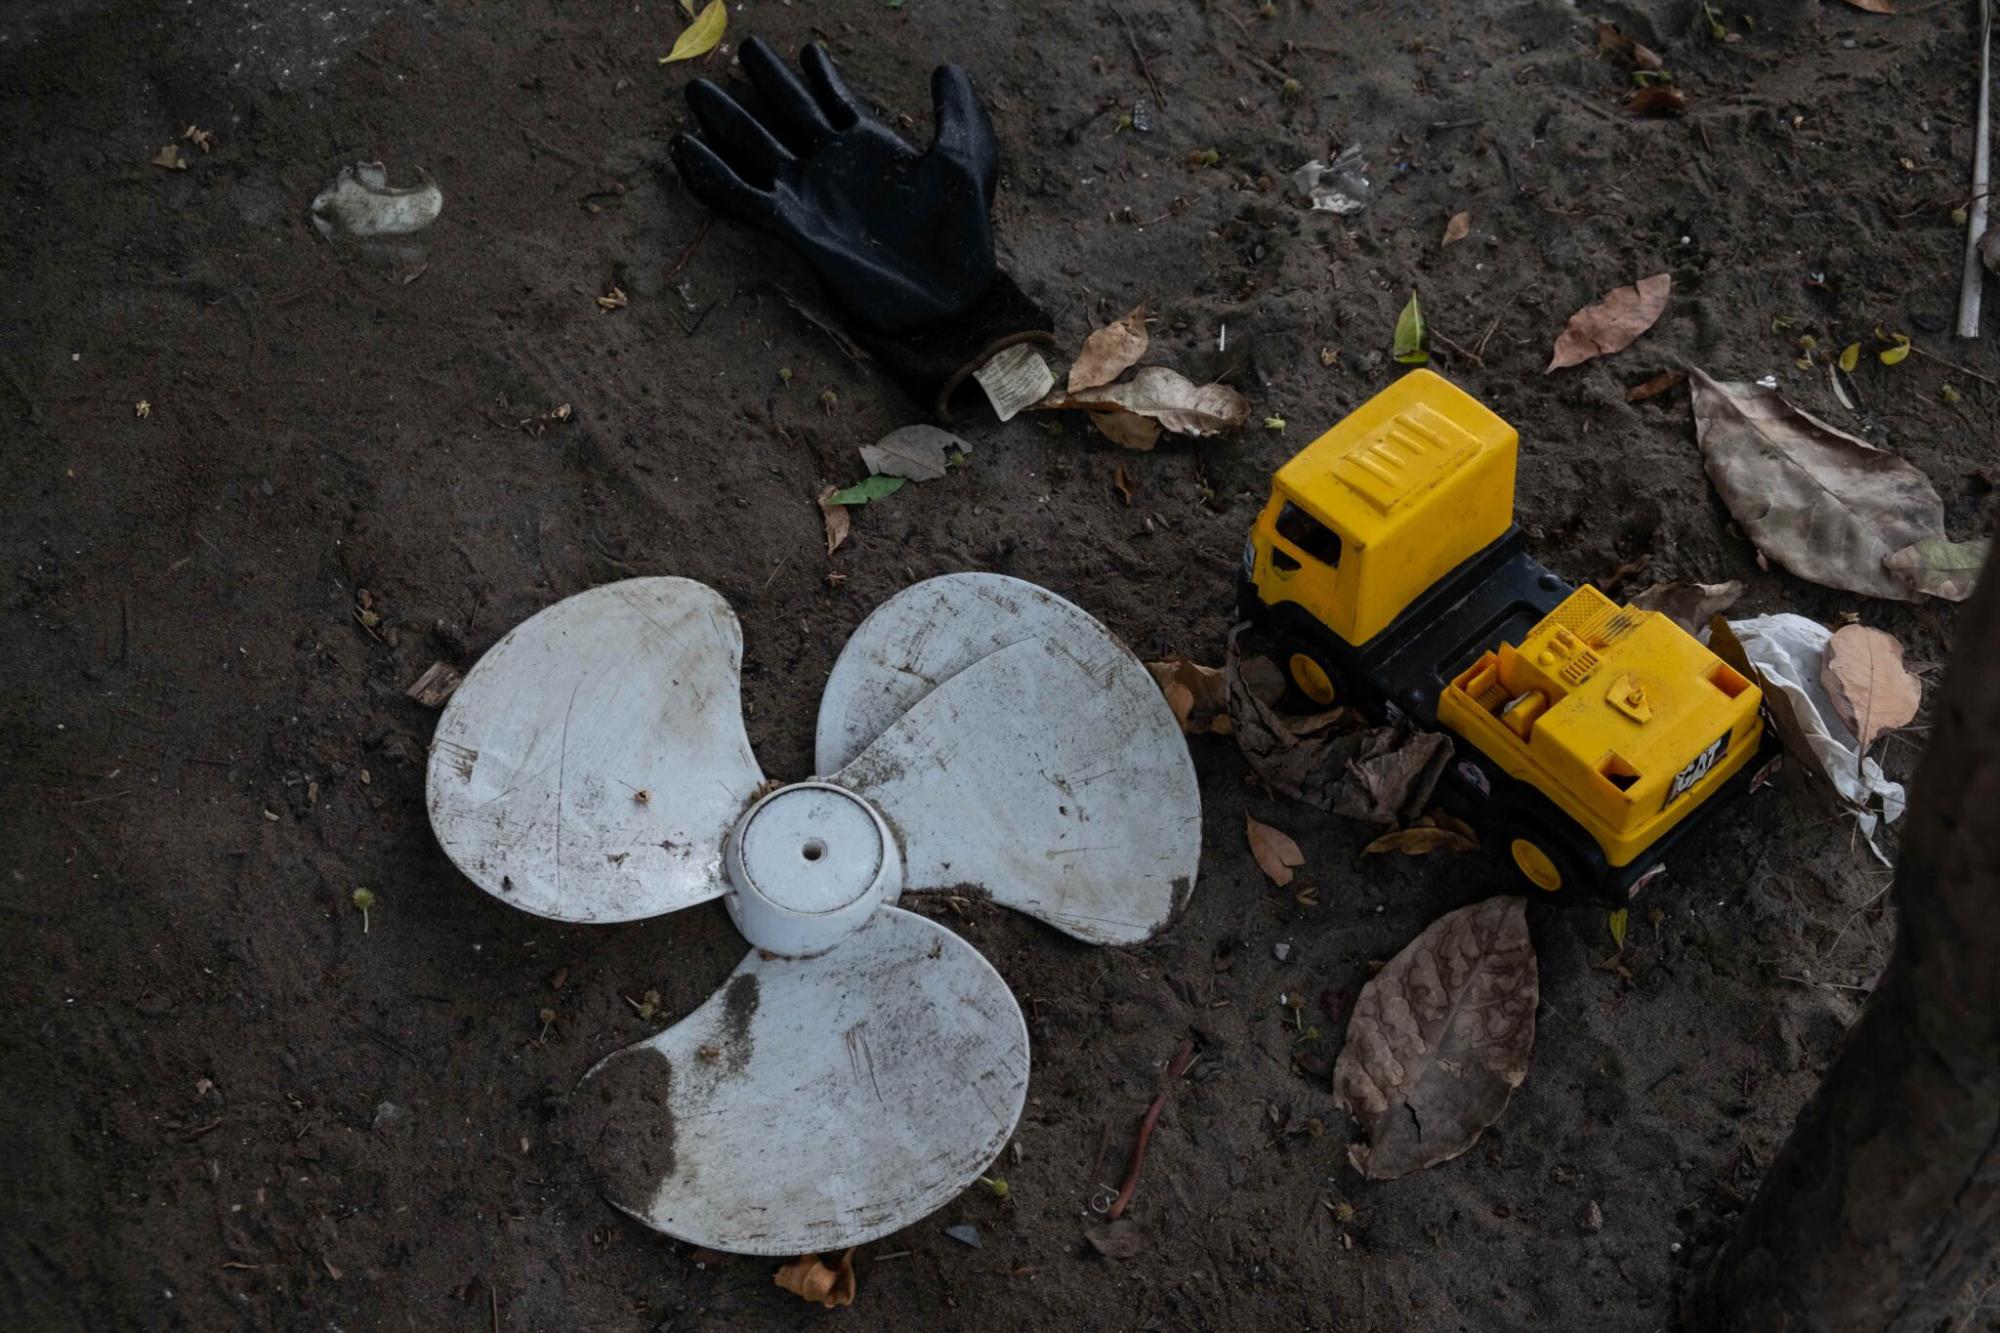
(1311, 677)
(1536, 865)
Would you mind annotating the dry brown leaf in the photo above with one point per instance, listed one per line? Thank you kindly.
(1456, 230)
(1127, 431)
(1689, 605)
(810, 1279)
(1865, 678)
(1111, 351)
(1613, 322)
(1116, 1240)
(1166, 396)
(1827, 506)
(1299, 757)
(919, 453)
(170, 158)
(1434, 832)
(1199, 695)
(1390, 773)
(1629, 50)
(1875, 6)
(1657, 99)
(1655, 386)
(1939, 567)
(1277, 855)
(1440, 1038)
(1122, 484)
(838, 522)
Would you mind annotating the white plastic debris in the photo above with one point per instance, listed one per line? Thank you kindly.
(361, 202)
(1339, 187)
(1787, 651)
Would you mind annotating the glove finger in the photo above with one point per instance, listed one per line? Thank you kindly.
(710, 180)
(796, 117)
(843, 109)
(736, 136)
(964, 133)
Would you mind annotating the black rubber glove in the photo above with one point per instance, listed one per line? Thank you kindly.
(904, 240)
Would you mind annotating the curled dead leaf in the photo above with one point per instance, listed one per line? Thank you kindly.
(809, 1278)
(1277, 855)
(1613, 322)
(1111, 351)
(1657, 99)
(1199, 695)
(1434, 832)
(1116, 1240)
(1657, 385)
(1440, 1038)
(1166, 396)
(1296, 756)
(1625, 49)
(838, 522)
(1456, 230)
(1864, 676)
(1689, 605)
(1126, 430)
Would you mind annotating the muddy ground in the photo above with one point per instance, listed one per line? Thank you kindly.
(227, 1105)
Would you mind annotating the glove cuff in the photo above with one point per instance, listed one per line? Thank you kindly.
(936, 361)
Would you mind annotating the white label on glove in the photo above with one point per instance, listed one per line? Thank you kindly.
(1015, 378)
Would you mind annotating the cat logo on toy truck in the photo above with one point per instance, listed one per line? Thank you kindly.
(1387, 567)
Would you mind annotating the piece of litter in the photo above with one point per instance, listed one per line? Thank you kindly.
(435, 685)
(965, 1234)
(361, 202)
(1015, 378)
(1339, 187)
(1281, 952)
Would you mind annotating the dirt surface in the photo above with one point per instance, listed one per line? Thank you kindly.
(227, 1104)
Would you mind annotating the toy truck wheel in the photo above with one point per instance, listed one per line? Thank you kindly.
(1544, 861)
(1312, 680)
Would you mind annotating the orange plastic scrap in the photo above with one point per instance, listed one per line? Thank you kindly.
(808, 1278)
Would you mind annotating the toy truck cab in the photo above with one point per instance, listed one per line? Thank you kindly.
(1387, 566)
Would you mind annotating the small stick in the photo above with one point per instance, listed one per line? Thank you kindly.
(1132, 40)
(1952, 365)
(1974, 277)
(1175, 1068)
(687, 255)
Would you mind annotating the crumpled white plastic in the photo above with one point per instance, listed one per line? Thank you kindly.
(1787, 651)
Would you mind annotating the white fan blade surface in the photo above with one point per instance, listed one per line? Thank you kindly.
(925, 635)
(813, 1104)
(1051, 776)
(594, 759)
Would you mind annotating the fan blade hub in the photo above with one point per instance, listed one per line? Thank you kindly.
(807, 865)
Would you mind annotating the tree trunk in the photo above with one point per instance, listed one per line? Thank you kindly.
(1885, 1202)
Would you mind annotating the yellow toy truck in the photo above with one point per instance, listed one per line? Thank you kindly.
(1387, 569)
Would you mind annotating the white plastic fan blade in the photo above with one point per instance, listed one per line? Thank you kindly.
(925, 635)
(818, 1103)
(592, 762)
(1052, 776)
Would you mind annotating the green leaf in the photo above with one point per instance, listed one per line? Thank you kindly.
(1410, 334)
(861, 492)
(700, 36)
(1617, 921)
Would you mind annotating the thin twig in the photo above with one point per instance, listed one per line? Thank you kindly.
(1146, 70)
(1953, 365)
(687, 255)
